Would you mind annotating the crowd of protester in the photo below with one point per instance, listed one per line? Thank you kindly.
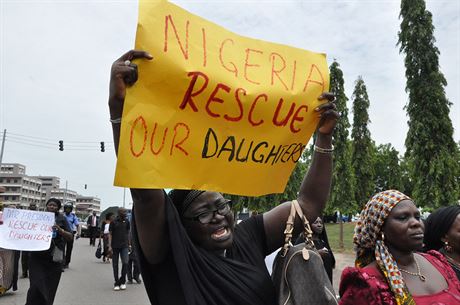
(400, 259)
(44, 268)
(189, 247)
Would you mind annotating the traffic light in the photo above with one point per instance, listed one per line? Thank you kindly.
(102, 147)
(86, 186)
(61, 145)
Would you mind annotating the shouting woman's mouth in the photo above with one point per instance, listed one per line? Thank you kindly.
(221, 234)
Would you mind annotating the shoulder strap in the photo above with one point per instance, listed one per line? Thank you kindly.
(288, 231)
(307, 232)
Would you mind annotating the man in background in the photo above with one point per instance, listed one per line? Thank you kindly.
(93, 226)
(72, 219)
(119, 246)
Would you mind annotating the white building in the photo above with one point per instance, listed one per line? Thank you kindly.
(86, 205)
(49, 183)
(20, 190)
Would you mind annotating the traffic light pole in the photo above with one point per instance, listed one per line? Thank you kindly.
(3, 147)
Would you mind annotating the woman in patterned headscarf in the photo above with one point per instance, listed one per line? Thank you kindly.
(389, 270)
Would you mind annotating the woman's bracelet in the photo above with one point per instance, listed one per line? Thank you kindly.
(115, 121)
(324, 150)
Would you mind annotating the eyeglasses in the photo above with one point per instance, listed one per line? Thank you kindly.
(222, 208)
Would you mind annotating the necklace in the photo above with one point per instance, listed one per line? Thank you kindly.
(418, 273)
(452, 261)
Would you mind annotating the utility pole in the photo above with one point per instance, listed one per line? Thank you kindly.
(65, 193)
(3, 146)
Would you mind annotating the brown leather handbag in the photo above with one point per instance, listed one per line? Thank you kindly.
(298, 271)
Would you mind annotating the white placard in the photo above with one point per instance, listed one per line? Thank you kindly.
(26, 230)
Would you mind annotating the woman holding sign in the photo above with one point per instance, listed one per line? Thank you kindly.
(190, 250)
(45, 267)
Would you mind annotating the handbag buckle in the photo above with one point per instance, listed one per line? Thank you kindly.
(289, 230)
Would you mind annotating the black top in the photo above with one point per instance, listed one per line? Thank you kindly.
(58, 241)
(193, 276)
(328, 259)
(120, 232)
(90, 221)
(456, 269)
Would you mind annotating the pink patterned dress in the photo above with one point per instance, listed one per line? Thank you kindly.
(367, 286)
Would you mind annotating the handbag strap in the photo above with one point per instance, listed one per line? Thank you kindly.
(288, 231)
(307, 232)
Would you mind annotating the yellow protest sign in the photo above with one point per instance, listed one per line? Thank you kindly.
(214, 110)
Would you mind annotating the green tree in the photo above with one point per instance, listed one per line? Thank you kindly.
(407, 183)
(362, 145)
(388, 173)
(342, 191)
(431, 153)
(267, 202)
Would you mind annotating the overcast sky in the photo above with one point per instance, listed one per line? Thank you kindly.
(56, 58)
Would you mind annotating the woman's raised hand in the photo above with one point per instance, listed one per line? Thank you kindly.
(328, 114)
(123, 74)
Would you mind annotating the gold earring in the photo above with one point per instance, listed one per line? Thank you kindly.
(383, 237)
(447, 247)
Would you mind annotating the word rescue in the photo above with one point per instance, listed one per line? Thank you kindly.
(26, 230)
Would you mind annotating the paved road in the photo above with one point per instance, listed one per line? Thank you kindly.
(342, 260)
(88, 281)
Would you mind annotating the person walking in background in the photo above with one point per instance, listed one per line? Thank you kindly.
(72, 219)
(105, 231)
(133, 268)
(45, 267)
(119, 246)
(25, 254)
(442, 233)
(93, 226)
(389, 271)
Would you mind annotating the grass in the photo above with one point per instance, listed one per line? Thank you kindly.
(333, 230)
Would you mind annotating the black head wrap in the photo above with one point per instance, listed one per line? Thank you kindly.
(55, 200)
(437, 225)
(183, 198)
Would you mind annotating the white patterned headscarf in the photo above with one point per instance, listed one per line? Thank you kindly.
(370, 245)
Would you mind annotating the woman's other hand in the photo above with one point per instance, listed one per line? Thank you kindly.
(323, 252)
(123, 74)
(328, 114)
(58, 229)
